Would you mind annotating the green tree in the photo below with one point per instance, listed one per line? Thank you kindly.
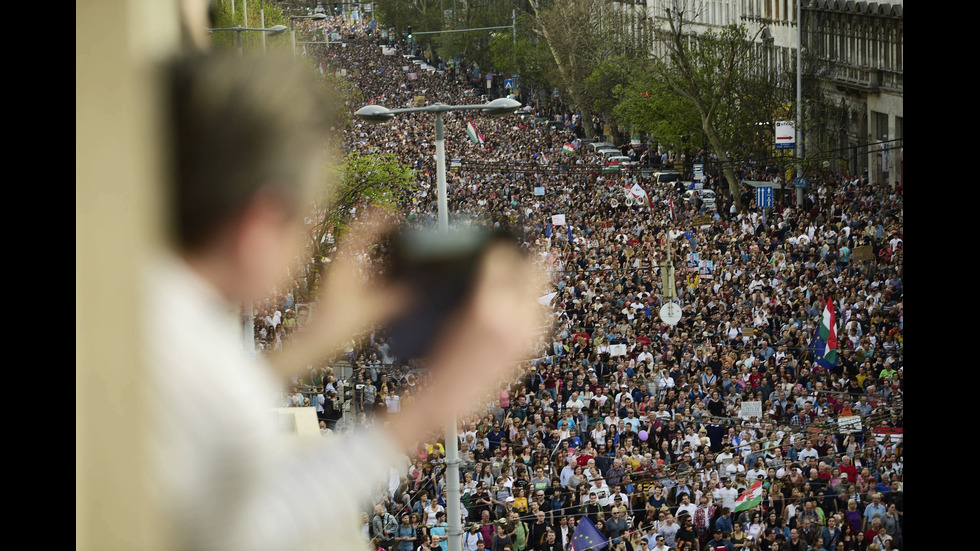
(646, 101)
(705, 70)
(527, 57)
(581, 35)
(376, 179)
(223, 18)
(474, 14)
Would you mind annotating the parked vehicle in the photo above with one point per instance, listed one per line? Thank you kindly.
(666, 176)
(707, 195)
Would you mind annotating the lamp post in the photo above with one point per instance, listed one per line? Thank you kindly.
(292, 25)
(496, 108)
(799, 102)
(238, 31)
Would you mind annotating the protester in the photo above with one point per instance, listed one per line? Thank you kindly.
(737, 392)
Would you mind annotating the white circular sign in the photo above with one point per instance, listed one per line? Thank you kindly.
(670, 313)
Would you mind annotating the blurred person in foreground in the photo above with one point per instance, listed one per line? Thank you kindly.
(248, 142)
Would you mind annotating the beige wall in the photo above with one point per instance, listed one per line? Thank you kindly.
(116, 220)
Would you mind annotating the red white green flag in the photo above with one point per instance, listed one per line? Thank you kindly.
(750, 498)
(472, 132)
(828, 334)
(568, 148)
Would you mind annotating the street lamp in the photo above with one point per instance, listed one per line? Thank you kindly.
(238, 31)
(292, 25)
(496, 108)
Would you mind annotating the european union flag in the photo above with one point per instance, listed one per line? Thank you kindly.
(587, 537)
(817, 349)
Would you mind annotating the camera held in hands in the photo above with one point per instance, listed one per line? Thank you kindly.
(439, 269)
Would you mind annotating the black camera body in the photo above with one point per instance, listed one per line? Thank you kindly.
(439, 269)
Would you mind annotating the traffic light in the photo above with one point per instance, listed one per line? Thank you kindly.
(409, 32)
(335, 7)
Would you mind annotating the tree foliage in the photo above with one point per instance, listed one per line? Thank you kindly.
(710, 72)
(376, 179)
(585, 36)
(528, 57)
(251, 40)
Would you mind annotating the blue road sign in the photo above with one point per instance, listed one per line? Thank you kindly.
(508, 83)
(763, 196)
(801, 182)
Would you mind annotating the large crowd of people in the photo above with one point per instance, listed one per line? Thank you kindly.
(652, 431)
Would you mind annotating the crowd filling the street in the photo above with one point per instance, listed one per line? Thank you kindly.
(769, 417)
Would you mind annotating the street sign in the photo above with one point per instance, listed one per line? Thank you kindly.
(785, 134)
(670, 313)
(508, 83)
(801, 182)
(489, 76)
(763, 196)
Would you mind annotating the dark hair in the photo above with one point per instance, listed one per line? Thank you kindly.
(239, 127)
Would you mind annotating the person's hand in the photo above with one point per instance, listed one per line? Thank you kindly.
(349, 301)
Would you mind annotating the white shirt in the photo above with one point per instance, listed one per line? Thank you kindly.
(223, 472)
(726, 496)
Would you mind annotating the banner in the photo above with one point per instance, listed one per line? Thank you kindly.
(558, 220)
(751, 409)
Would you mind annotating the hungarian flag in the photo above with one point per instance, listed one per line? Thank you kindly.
(670, 205)
(568, 148)
(751, 497)
(473, 133)
(611, 166)
(826, 347)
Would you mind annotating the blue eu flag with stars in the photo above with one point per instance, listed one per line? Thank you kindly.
(587, 537)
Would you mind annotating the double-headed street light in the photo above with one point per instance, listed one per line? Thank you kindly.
(238, 31)
(496, 108)
(292, 25)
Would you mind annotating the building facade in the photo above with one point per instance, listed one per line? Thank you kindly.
(853, 54)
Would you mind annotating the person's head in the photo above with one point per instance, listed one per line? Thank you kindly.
(247, 138)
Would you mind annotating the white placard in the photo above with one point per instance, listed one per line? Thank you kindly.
(546, 299)
(751, 409)
(617, 350)
(558, 220)
(849, 424)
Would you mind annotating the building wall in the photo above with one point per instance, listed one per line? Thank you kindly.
(855, 50)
